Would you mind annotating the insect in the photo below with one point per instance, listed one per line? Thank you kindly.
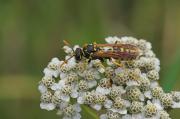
(122, 52)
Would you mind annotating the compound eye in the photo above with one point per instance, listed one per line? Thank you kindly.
(90, 48)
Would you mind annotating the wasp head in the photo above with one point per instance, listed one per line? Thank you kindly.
(78, 53)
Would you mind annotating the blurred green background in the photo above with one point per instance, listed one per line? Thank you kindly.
(31, 33)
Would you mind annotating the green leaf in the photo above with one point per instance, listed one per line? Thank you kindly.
(88, 113)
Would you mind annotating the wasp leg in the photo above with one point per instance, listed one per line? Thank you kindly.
(119, 64)
(102, 60)
(65, 62)
(89, 60)
(116, 42)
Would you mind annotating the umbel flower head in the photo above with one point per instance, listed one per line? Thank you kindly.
(116, 88)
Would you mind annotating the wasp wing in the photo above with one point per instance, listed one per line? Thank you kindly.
(117, 45)
(115, 55)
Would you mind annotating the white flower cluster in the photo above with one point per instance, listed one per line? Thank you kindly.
(128, 92)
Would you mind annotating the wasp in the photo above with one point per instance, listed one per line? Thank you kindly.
(122, 52)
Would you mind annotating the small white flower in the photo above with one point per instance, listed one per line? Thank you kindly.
(72, 112)
(52, 68)
(151, 110)
(50, 73)
(137, 116)
(65, 98)
(108, 104)
(65, 91)
(80, 100)
(129, 40)
(154, 84)
(176, 105)
(91, 76)
(118, 70)
(103, 116)
(92, 84)
(75, 47)
(68, 50)
(74, 93)
(119, 106)
(47, 106)
(110, 115)
(109, 62)
(158, 104)
(96, 107)
(42, 88)
(132, 83)
(144, 45)
(147, 94)
(102, 90)
(120, 89)
(59, 85)
(98, 65)
(54, 64)
(71, 62)
(127, 116)
(111, 40)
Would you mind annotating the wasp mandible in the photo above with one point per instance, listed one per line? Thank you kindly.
(122, 52)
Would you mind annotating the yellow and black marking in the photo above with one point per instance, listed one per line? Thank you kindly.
(121, 52)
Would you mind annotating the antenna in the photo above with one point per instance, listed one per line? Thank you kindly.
(68, 44)
(65, 61)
